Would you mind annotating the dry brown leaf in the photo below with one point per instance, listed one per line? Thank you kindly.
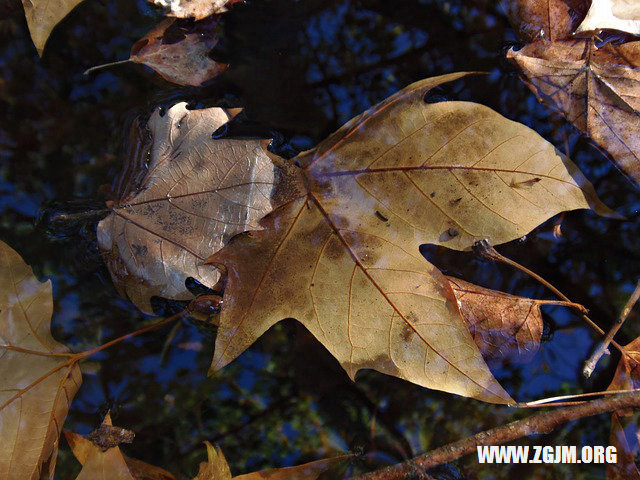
(621, 15)
(502, 325)
(195, 194)
(38, 384)
(43, 16)
(100, 462)
(344, 260)
(194, 8)
(624, 424)
(545, 19)
(216, 468)
(595, 89)
(180, 54)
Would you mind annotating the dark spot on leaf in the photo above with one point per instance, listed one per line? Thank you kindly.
(381, 216)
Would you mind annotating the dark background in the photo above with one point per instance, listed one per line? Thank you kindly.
(300, 68)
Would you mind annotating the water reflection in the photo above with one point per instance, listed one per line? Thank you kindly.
(301, 68)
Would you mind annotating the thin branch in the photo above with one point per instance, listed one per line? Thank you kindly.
(543, 422)
(603, 347)
(485, 249)
(146, 329)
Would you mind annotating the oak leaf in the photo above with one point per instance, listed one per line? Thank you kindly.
(596, 89)
(216, 468)
(545, 19)
(99, 460)
(43, 15)
(183, 197)
(503, 326)
(344, 260)
(37, 383)
(197, 9)
(621, 15)
(179, 53)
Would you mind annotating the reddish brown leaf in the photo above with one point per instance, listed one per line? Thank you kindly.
(597, 90)
(179, 53)
(194, 8)
(502, 325)
(624, 424)
(546, 19)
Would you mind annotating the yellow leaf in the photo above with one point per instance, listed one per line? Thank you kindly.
(37, 382)
(216, 467)
(43, 16)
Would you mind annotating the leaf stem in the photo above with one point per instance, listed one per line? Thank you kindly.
(484, 248)
(106, 65)
(603, 346)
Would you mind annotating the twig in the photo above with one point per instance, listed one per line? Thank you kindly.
(539, 423)
(485, 249)
(603, 347)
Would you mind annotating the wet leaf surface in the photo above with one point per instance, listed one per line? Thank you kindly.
(621, 15)
(594, 88)
(180, 53)
(36, 383)
(503, 326)
(194, 194)
(344, 261)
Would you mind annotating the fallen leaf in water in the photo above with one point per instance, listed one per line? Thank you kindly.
(111, 463)
(344, 259)
(43, 16)
(180, 53)
(100, 460)
(216, 468)
(182, 198)
(595, 89)
(624, 424)
(545, 19)
(621, 15)
(194, 8)
(503, 326)
(37, 382)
